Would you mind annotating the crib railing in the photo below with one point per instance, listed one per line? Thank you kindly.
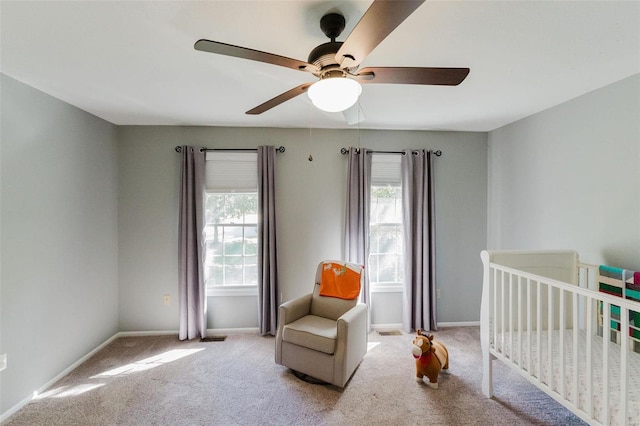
(523, 312)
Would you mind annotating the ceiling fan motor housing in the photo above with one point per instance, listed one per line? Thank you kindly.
(325, 54)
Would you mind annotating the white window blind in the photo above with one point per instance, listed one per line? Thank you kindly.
(386, 272)
(385, 170)
(231, 171)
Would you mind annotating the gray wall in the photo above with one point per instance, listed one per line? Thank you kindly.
(59, 237)
(569, 177)
(310, 202)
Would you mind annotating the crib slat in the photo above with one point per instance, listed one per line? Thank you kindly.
(588, 359)
(502, 313)
(520, 322)
(606, 338)
(550, 336)
(561, 329)
(624, 352)
(494, 314)
(539, 329)
(529, 326)
(511, 318)
(576, 349)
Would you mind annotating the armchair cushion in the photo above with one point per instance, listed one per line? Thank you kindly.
(312, 332)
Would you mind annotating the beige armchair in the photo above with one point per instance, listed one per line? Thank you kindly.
(322, 337)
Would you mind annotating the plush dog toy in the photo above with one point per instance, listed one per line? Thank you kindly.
(431, 357)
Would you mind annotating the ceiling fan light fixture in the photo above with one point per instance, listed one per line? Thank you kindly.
(334, 94)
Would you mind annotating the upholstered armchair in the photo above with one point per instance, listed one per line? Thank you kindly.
(324, 336)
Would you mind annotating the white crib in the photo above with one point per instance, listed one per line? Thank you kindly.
(543, 316)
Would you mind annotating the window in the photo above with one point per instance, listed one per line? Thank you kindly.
(231, 239)
(231, 222)
(386, 266)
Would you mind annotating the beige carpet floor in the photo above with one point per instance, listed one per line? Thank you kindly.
(162, 381)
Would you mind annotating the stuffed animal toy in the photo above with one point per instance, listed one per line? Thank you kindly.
(431, 357)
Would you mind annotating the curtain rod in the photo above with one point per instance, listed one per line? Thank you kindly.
(343, 151)
(179, 149)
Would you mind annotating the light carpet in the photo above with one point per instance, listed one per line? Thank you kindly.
(162, 381)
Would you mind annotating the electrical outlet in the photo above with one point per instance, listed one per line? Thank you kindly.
(165, 299)
(3, 361)
(437, 293)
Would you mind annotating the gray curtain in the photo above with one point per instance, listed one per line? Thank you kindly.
(191, 290)
(267, 247)
(356, 243)
(419, 310)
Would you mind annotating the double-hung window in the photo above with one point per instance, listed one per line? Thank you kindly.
(386, 266)
(231, 223)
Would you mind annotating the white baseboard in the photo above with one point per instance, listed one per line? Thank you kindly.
(210, 331)
(11, 411)
(388, 327)
(146, 333)
(247, 330)
(460, 324)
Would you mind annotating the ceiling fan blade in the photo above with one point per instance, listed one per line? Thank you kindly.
(283, 97)
(382, 17)
(412, 75)
(254, 55)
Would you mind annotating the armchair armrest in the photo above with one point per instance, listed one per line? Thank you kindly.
(351, 341)
(289, 312)
(294, 309)
(354, 319)
(353, 315)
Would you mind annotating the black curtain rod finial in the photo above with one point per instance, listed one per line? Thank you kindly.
(178, 149)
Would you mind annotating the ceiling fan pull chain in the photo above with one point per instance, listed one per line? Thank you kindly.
(310, 112)
(358, 106)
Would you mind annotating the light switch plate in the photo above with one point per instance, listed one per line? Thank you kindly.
(3, 362)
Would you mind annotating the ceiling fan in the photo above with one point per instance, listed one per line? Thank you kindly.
(336, 63)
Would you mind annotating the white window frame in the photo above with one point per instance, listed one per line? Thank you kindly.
(386, 172)
(232, 173)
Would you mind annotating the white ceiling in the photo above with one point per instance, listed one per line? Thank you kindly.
(133, 62)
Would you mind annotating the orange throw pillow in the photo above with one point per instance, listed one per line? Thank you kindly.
(340, 280)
